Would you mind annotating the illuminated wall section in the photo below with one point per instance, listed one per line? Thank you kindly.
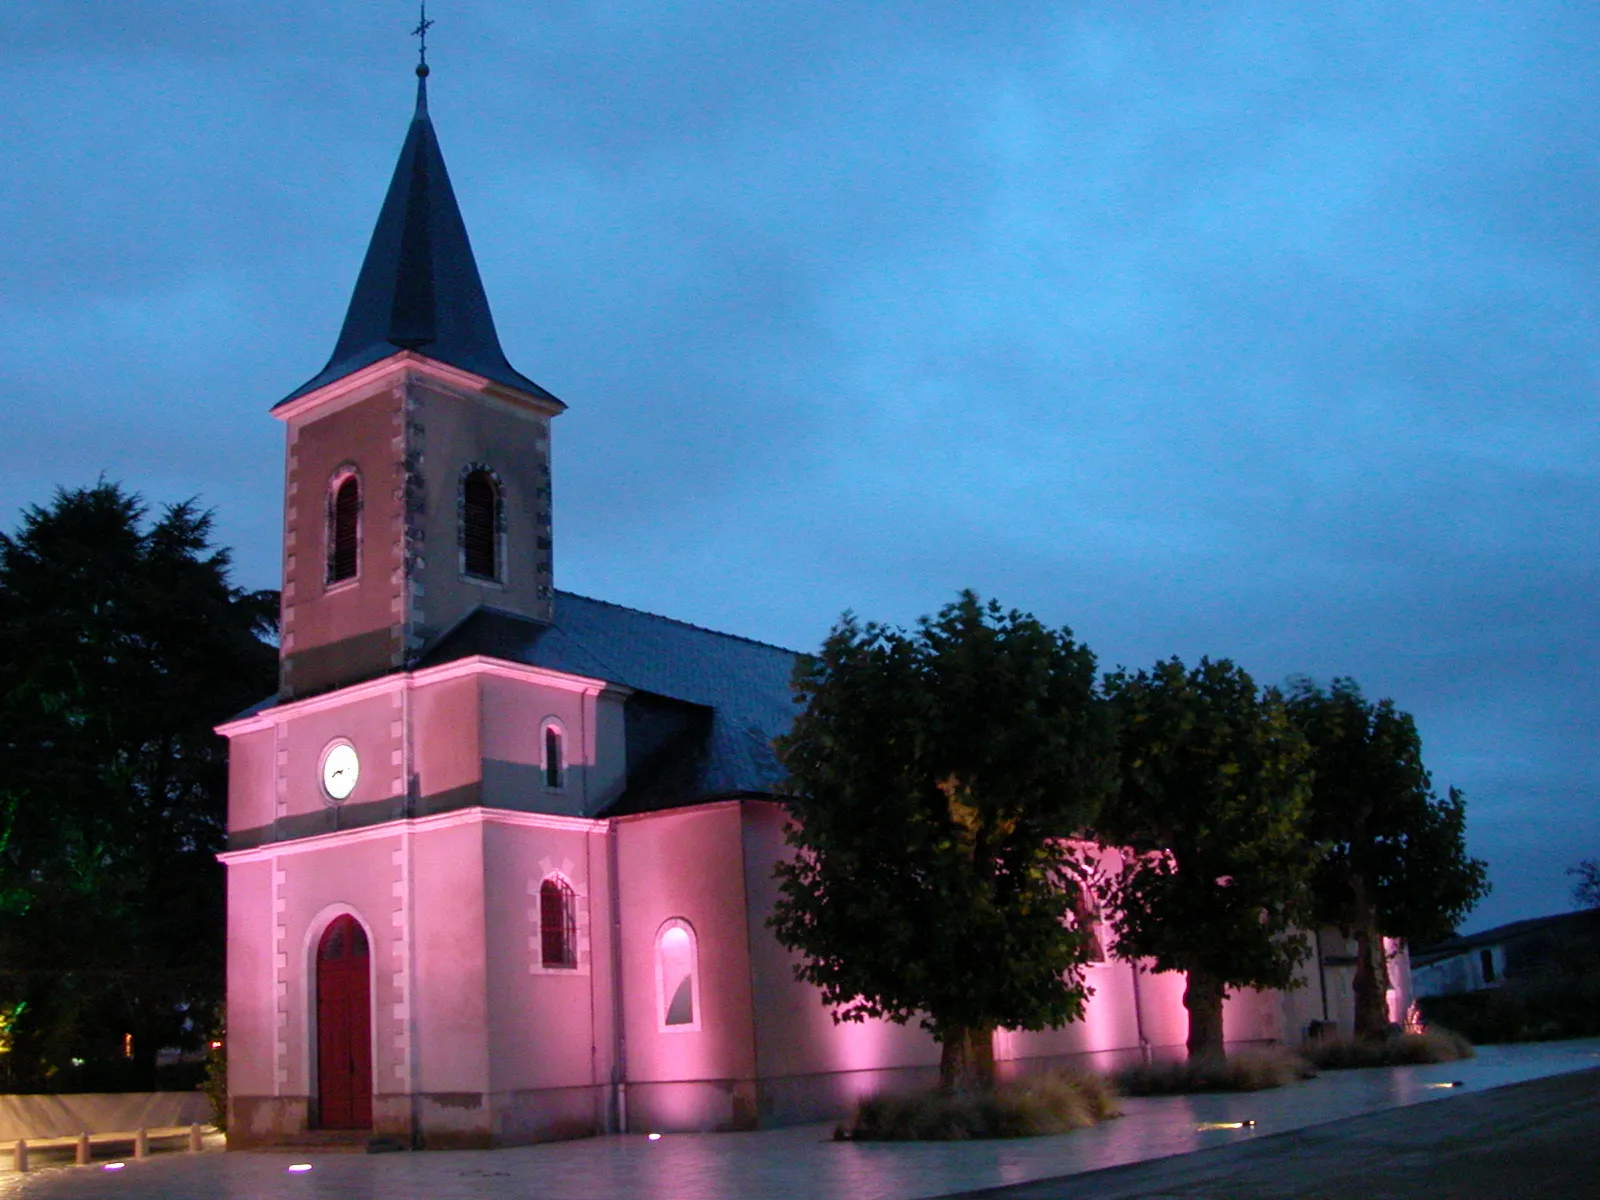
(811, 1068)
(684, 865)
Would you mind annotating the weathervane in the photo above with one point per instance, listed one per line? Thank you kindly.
(421, 34)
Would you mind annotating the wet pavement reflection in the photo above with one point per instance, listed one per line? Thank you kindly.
(787, 1164)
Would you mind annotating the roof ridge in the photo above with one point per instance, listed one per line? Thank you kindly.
(736, 637)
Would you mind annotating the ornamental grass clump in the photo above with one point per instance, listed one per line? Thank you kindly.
(1436, 1045)
(1247, 1071)
(1055, 1103)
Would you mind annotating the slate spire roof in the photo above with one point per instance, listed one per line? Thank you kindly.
(419, 287)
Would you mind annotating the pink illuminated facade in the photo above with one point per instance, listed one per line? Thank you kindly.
(501, 856)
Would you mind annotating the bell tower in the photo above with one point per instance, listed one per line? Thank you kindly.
(417, 480)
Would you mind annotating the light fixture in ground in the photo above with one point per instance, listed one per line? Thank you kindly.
(299, 1168)
(1206, 1126)
(113, 1166)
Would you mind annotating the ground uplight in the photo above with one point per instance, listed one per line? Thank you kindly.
(1209, 1125)
(113, 1166)
(298, 1168)
(655, 1137)
(1452, 1084)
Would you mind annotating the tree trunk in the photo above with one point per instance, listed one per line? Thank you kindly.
(1202, 996)
(966, 1061)
(1371, 985)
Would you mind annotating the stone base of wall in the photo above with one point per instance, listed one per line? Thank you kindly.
(698, 1106)
(830, 1096)
(266, 1120)
(550, 1114)
(429, 1120)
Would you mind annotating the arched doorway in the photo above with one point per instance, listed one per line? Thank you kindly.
(344, 1027)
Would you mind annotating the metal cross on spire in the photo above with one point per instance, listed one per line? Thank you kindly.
(421, 33)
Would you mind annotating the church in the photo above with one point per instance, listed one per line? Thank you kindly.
(500, 856)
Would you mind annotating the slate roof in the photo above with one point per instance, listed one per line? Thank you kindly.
(419, 287)
(1581, 923)
(744, 684)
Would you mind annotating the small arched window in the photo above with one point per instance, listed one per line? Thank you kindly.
(344, 528)
(1086, 919)
(480, 525)
(558, 923)
(677, 976)
(555, 757)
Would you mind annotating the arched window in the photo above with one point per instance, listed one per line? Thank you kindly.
(555, 757)
(677, 976)
(344, 527)
(480, 525)
(558, 923)
(1086, 919)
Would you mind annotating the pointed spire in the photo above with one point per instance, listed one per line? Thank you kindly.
(419, 287)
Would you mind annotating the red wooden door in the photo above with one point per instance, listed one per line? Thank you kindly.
(344, 1028)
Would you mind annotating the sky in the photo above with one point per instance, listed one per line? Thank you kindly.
(1250, 330)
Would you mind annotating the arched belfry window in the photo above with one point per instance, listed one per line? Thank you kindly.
(558, 923)
(481, 519)
(1086, 919)
(555, 756)
(344, 526)
(677, 977)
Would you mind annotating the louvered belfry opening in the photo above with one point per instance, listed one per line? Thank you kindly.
(480, 522)
(558, 924)
(344, 539)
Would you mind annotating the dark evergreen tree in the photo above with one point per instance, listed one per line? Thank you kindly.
(1586, 891)
(1212, 813)
(933, 778)
(123, 642)
(1396, 863)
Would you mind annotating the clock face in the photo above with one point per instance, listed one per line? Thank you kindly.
(340, 770)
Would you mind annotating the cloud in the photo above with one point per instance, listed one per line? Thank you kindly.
(1246, 330)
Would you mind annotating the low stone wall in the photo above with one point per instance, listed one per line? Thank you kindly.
(72, 1113)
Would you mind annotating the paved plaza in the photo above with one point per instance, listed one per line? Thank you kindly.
(789, 1164)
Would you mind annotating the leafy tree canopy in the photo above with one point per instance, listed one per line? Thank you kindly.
(1212, 810)
(122, 643)
(1396, 863)
(933, 777)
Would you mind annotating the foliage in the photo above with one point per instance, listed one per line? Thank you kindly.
(215, 1085)
(1396, 863)
(1557, 1003)
(932, 780)
(1586, 891)
(122, 642)
(1435, 1045)
(1055, 1103)
(1246, 1071)
(1212, 810)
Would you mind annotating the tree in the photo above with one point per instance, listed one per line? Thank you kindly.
(1586, 892)
(122, 643)
(1396, 863)
(933, 778)
(1211, 812)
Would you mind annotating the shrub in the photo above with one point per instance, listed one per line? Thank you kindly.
(215, 1085)
(1558, 1003)
(1437, 1045)
(1247, 1071)
(1054, 1103)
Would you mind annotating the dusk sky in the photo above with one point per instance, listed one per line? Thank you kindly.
(1255, 330)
